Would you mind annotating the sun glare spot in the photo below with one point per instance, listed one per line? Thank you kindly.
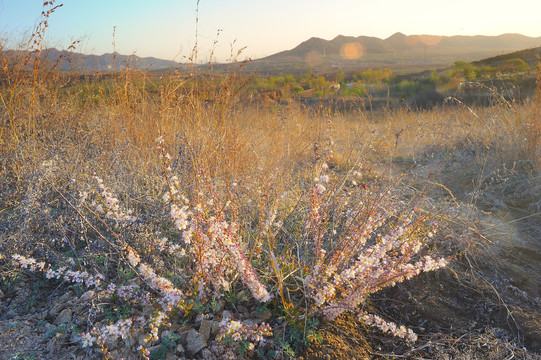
(351, 51)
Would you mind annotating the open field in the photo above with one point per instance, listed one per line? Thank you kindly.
(163, 206)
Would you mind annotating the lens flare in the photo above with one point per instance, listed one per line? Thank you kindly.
(351, 51)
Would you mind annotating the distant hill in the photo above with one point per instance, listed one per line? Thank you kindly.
(529, 56)
(73, 61)
(398, 49)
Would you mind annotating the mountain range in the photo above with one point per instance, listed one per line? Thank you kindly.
(74, 61)
(398, 50)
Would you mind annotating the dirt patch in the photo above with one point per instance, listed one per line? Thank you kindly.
(343, 338)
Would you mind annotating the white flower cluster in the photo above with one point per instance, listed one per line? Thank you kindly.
(61, 273)
(122, 328)
(376, 321)
(180, 216)
(238, 331)
(171, 295)
(28, 263)
(110, 205)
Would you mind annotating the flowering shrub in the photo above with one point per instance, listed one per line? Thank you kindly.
(360, 246)
(350, 243)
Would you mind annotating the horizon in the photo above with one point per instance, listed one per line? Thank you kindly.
(166, 29)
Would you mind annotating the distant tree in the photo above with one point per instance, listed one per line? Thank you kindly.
(460, 65)
(340, 78)
(435, 78)
(518, 64)
(297, 88)
(289, 78)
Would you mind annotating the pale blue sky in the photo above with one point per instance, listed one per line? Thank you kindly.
(166, 28)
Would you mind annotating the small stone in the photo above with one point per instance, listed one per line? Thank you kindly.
(207, 354)
(141, 340)
(226, 315)
(51, 346)
(1, 294)
(129, 342)
(241, 295)
(183, 333)
(180, 349)
(41, 315)
(170, 356)
(10, 314)
(244, 310)
(64, 317)
(57, 308)
(115, 354)
(154, 348)
(48, 327)
(86, 296)
(205, 329)
(194, 342)
(64, 298)
(264, 315)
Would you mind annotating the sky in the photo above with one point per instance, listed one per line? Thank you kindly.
(167, 28)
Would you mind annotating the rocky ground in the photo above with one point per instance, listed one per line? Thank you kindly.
(486, 305)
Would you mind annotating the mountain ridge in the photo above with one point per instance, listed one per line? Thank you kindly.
(401, 42)
(341, 51)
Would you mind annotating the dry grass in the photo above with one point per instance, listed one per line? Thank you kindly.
(57, 129)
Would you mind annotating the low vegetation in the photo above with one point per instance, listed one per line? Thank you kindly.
(172, 216)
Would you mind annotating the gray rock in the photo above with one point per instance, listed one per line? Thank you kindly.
(215, 328)
(49, 327)
(207, 354)
(170, 356)
(195, 342)
(52, 346)
(221, 304)
(64, 317)
(75, 338)
(205, 329)
(129, 342)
